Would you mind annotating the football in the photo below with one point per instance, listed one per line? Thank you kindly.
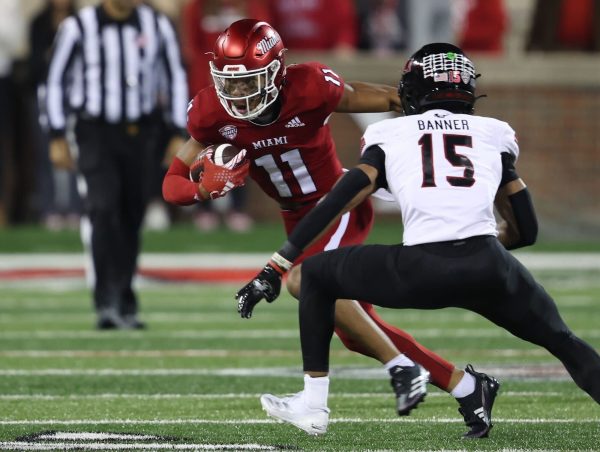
(225, 155)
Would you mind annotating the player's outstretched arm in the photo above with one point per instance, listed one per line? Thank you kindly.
(351, 190)
(362, 97)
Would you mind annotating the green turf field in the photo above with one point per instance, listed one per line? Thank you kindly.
(192, 380)
(183, 237)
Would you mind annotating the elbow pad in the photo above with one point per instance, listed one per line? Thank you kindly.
(509, 173)
(522, 207)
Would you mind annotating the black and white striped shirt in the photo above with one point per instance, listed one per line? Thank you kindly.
(115, 71)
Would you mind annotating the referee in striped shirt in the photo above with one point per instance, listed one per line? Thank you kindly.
(116, 68)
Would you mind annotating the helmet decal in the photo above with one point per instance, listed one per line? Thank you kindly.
(450, 63)
(266, 44)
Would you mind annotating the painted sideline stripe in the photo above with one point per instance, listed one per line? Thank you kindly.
(398, 420)
(537, 260)
(341, 395)
(254, 261)
(223, 275)
(12, 261)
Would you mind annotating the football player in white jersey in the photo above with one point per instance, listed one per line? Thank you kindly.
(446, 168)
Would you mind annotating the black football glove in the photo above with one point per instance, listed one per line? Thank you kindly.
(267, 285)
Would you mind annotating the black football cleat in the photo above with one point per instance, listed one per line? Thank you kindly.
(476, 408)
(131, 322)
(109, 319)
(410, 386)
(108, 323)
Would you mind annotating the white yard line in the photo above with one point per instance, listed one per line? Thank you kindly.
(547, 371)
(143, 335)
(398, 420)
(218, 353)
(333, 395)
(194, 353)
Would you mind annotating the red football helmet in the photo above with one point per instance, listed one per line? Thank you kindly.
(248, 68)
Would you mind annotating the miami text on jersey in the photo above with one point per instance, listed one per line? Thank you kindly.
(269, 142)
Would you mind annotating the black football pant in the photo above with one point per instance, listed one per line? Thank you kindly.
(116, 164)
(476, 274)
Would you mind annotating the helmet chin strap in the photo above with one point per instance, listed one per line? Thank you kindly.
(270, 115)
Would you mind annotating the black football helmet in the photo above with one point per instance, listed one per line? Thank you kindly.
(438, 75)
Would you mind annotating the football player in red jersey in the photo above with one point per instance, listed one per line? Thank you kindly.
(279, 115)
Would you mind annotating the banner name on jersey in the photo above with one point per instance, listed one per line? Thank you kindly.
(278, 141)
(266, 44)
(443, 124)
(229, 132)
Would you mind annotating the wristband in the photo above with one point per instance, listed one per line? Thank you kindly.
(280, 263)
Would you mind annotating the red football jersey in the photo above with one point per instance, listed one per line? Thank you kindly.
(294, 158)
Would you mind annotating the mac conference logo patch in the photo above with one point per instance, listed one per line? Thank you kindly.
(229, 132)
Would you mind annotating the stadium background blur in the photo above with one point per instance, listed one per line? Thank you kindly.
(552, 100)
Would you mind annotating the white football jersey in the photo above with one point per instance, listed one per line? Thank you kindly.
(443, 170)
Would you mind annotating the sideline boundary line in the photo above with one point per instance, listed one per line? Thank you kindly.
(213, 267)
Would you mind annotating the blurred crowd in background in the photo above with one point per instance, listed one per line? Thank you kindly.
(31, 191)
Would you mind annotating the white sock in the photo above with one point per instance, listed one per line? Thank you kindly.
(400, 360)
(465, 386)
(316, 391)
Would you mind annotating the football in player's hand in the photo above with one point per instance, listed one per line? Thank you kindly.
(225, 155)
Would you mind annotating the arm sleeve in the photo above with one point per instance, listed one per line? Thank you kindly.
(67, 39)
(177, 187)
(509, 173)
(522, 206)
(177, 80)
(375, 157)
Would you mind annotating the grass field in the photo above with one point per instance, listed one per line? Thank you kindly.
(183, 237)
(192, 380)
